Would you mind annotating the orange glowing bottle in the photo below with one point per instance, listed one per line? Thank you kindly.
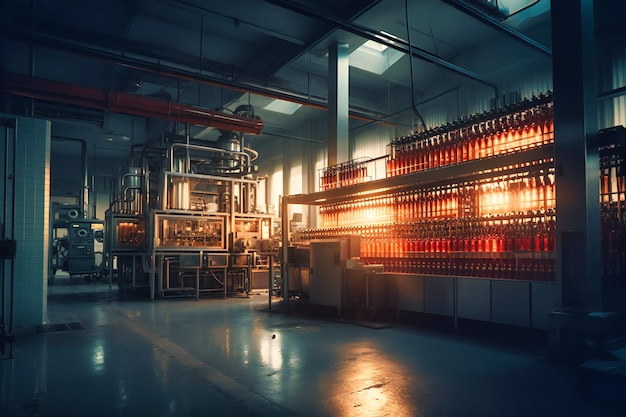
(548, 126)
(497, 137)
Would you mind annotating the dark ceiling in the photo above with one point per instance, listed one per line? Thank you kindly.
(221, 55)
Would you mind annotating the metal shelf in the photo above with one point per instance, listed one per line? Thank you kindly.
(512, 163)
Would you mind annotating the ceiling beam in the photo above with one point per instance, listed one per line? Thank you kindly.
(499, 26)
(383, 38)
(176, 71)
(197, 8)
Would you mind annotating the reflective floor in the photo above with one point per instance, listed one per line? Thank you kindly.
(216, 357)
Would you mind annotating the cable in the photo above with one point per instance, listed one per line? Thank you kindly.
(408, 32)
(215, 278)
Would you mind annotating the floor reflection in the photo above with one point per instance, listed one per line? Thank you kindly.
(369, 384)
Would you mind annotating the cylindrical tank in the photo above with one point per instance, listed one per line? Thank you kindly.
(248, 198)
(132, 187)
(133, 178)
(224, 197)
(179, 195)
(231, 144)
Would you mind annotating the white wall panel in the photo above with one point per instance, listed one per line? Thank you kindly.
(612, 77)
(372, 142)
(31, 222)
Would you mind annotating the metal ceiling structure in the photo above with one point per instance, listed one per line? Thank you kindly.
(217, 56)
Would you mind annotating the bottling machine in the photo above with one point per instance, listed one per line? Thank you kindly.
(186, 220)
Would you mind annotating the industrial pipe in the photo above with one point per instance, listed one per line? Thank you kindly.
(84, 191)
(207, 149)
(119, 102)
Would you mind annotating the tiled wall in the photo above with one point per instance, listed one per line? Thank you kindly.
(32, 189)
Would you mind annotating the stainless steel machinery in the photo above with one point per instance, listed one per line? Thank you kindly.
(186, 220)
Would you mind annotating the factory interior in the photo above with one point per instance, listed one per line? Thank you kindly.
(313, 208)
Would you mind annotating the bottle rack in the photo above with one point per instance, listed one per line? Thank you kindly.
(512, 129)
(612, 155)
(531, 190)
(512, 246)
(345, 174)
(474, 198)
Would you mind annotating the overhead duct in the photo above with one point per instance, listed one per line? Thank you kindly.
(119, 102)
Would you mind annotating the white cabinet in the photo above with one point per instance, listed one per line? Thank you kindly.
(328, 264)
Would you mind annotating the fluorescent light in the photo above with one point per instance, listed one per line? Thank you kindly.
(282, 106)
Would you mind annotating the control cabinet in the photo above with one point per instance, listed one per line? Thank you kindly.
(81, 253)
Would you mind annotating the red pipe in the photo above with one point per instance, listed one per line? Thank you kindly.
(119, 102)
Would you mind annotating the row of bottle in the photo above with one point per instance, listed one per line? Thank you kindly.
(491, 134)
(613, 242)
(380, 209)
(343, 175)
(612, 174)
(612, 155)
(532, 191)
(513, 246)
(513, 193)
(531, 269)
(532, 231)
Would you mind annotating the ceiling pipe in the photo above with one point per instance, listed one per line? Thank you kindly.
(383, 38)
(119, 102)
(175, 71)
(496, 24)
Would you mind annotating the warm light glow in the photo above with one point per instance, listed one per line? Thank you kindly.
(271, 352)
(369, 384)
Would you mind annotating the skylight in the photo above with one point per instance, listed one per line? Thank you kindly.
(374, 57)
(521, 11)
(282, 106)
(374, 45)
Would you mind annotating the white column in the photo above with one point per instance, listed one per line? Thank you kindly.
(32, 203)
(338, 104)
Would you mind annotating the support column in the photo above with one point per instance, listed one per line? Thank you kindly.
(31, 208)
(576, 128)
(285, 225)
(338, 103)
(577, 171)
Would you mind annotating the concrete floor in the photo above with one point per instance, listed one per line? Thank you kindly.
(216, 357)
